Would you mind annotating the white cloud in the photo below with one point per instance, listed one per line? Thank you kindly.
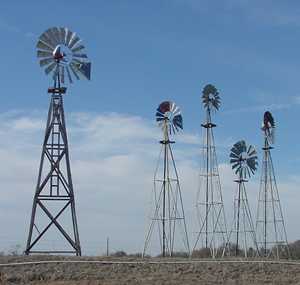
(113, 158)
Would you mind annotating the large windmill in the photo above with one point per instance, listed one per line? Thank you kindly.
(270, 228)
(168, 213)
(243, 159)
(61, 54)
(212, 232)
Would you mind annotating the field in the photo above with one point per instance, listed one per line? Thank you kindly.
(113, 271)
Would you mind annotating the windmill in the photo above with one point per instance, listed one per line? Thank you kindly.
(270, 228)
(168, 213)
(212, 232)
(61, 55)
(243, 160)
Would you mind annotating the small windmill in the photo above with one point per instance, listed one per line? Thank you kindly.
(212, 232)
(243, 160)
(61, 54)
(168, 213)
(270, 228)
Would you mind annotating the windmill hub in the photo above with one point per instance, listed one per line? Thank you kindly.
(62, 54)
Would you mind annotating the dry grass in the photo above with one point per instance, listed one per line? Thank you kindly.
(145, 273)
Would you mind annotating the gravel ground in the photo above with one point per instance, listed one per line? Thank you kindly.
(144, 273)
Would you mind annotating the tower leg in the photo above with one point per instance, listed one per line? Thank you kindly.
(270, 226)
(212, 233)
(168, 215)
(54, 193)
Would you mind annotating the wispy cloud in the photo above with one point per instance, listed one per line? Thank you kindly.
(113, 160)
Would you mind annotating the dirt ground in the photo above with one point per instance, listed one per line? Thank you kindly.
(144, 273)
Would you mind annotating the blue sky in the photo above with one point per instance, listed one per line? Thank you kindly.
(144, 52)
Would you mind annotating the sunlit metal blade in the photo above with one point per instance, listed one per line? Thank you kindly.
(177, 120)
(71, 39)
(233, 155)
(45, 37)
(248, 172)
(62, 35)
(56, 33)
(78, 48)
(174, 131)
(44, 46)
(51, 35)
(238, 169)
(50, 68)
(75, 40)
(69, 74)
(235, 165)
(42, 53)
(159, 114)
(46, 61)
(74, 70)
(68, 36)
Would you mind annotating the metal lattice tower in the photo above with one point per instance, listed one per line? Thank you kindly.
(53, 208)
(168, 216)
(242, 234)
(212, 232)
(270, 227)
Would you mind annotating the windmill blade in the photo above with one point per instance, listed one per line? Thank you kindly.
(235, 165)
(55, 72)
(235, 151)
(244, 159)
(69, 74)
(78, 48)
(159, 114)
(233, 155)
(177, 120)
(56, 33)
(165, 114)
(50, 68)
(234, 161)
(44, 46)
(71, 39)
(85, 70)
(251, 163)
(248, 172)
(52, 36)
(45, 37)
(46, 61)
(74, 70)
(62, 73)
(251, 151)
(173, 129)
(80, 55)
(238, 170)
(68, 36)
(42, 53)
(75, 40)
(60, 46)
(62, 35)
